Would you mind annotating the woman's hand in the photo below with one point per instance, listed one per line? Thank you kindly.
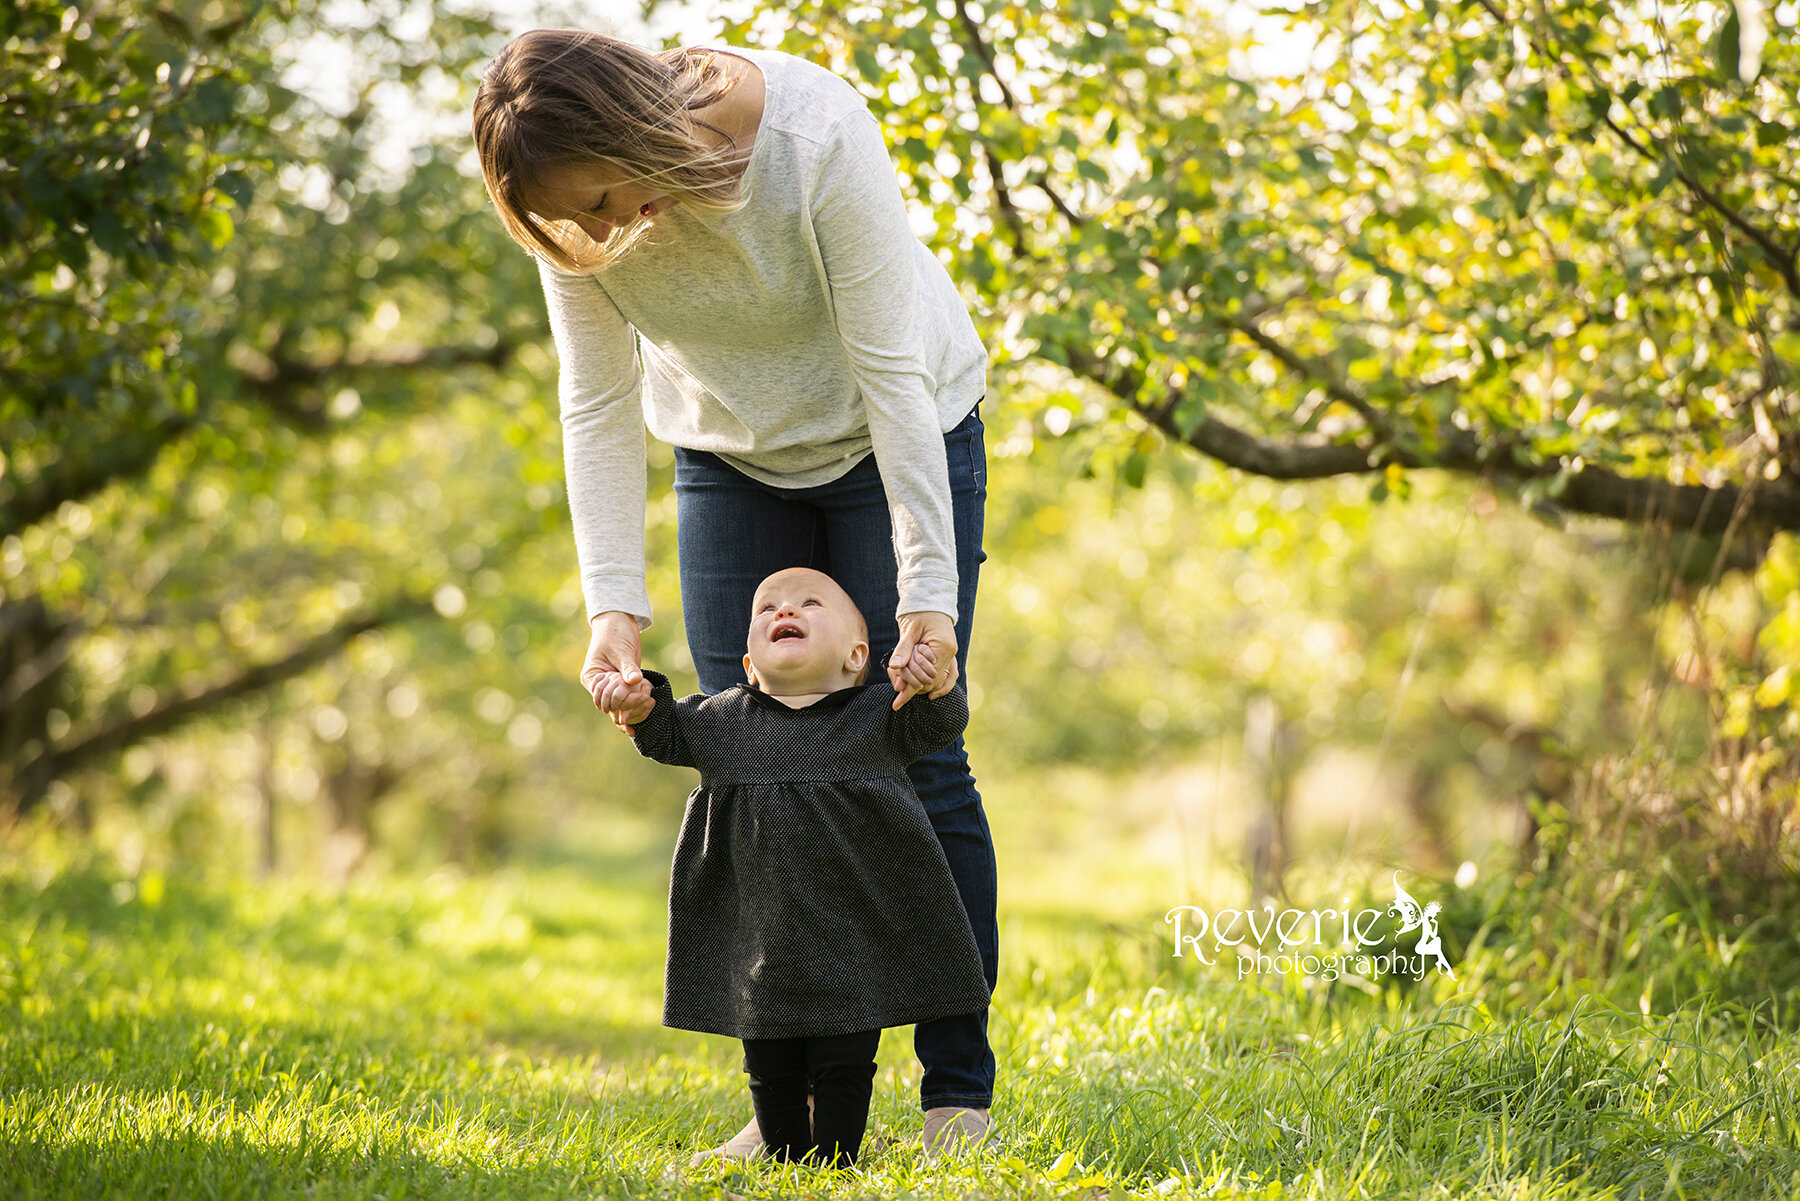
(925, 659)
(612, 674)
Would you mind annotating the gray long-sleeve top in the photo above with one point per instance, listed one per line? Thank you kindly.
(791, 338)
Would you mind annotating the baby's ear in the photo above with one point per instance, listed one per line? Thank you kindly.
(749, 671)
(859, 655)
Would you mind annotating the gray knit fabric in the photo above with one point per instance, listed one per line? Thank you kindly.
(809, 895)
(791, 338)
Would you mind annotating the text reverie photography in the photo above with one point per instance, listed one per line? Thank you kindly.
(1339, 939)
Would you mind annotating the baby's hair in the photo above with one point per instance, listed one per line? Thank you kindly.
(567, 98)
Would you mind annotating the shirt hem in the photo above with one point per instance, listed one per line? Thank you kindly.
(814, 477)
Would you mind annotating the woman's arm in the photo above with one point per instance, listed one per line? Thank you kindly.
(600, 387)
(870, 258)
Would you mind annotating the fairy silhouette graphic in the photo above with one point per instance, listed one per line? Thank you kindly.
(1412, 917)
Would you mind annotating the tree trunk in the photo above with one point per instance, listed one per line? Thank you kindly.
(268, 851)
(34, 655)
(352, 791)
(1269, 754)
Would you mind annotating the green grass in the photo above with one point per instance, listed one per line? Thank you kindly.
(499, 1037)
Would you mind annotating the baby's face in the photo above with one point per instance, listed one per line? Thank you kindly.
(806, 635)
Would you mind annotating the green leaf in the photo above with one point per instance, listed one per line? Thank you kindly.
(1521, 196)
(1775, 688)
(214, 101)
(215, 227)
(109, 232)
(236, 185)
(1787, 345)
(1411, 217)
(1136, 464)
(1728, 48)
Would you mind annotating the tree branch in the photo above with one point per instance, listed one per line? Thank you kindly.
(978, 46)
(1780, 257)
(1593, 490)
(171, 711)
(115, 458)
(276, 384)
(1336, 388)
(39, 667)
(299, 373)
(1009, 212)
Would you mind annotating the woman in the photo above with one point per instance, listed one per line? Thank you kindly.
(727, 259)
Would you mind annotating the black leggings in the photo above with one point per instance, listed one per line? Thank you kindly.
(842, 1070)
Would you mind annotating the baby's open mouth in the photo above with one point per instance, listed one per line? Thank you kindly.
(784, 631)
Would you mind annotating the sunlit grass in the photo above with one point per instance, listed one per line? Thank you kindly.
(499, 1036)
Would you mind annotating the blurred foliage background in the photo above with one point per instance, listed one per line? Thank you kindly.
(1406, 446)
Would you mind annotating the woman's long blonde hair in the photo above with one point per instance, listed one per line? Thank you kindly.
(558, 98)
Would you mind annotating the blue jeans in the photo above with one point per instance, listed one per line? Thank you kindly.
(734, 532)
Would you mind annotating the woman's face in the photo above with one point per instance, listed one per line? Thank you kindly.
(598, 199)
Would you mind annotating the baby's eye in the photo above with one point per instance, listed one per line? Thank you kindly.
(812, 602)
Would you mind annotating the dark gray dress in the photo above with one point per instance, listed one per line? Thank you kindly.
(809, 895)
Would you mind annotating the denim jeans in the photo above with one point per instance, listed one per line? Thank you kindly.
(734, 532)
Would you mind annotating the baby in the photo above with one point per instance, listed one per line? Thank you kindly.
(810, 904)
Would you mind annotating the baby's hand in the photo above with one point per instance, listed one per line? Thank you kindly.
(917, 673)
(626, 704)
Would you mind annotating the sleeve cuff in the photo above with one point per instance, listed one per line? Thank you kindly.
(928, 594)
(625, 594)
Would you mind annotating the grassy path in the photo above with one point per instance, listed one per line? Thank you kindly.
(498, 1037)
